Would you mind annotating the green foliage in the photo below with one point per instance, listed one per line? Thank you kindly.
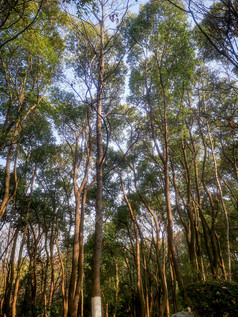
(53, 311)
(84, 45)
(219, 26)
(28, 65)
(84, 6)
(214, 299)
(163, 66)
(17, 17)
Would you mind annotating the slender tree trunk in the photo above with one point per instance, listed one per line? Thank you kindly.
(164, 282)
(117, 290)
(45, 272)
(147, 304)
(17, 281)
(52, 275)
(222, 265)
(164, 157)
(3, 279)
(209, 233)
(71, 305)
(19, 264)
(199, 252)
(197, 186)
(170, 219)
(96, 292)
(173, 284)
(191, 217)
(165, 299)
(32, 268)
(164, 307)
(10, 277)
(190, 227)
(7, 196)
(76, 279)
(64, 292)
(106, 310)
(222, 203)
(138, 270)
(72, 308)
(79, 284)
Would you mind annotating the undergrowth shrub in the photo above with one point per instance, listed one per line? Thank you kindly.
(214, 298)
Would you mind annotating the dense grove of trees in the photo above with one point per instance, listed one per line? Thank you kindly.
(119, 158)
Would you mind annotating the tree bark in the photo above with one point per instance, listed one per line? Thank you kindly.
(76, 278)
(7, 196)
(64, 292)
(10, 277)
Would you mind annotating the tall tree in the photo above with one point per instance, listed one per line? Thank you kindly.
(100, 70)
(162, 66)
(217, 24)
(28, 65)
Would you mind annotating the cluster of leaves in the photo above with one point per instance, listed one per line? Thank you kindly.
(214, 298)
(83, 5)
